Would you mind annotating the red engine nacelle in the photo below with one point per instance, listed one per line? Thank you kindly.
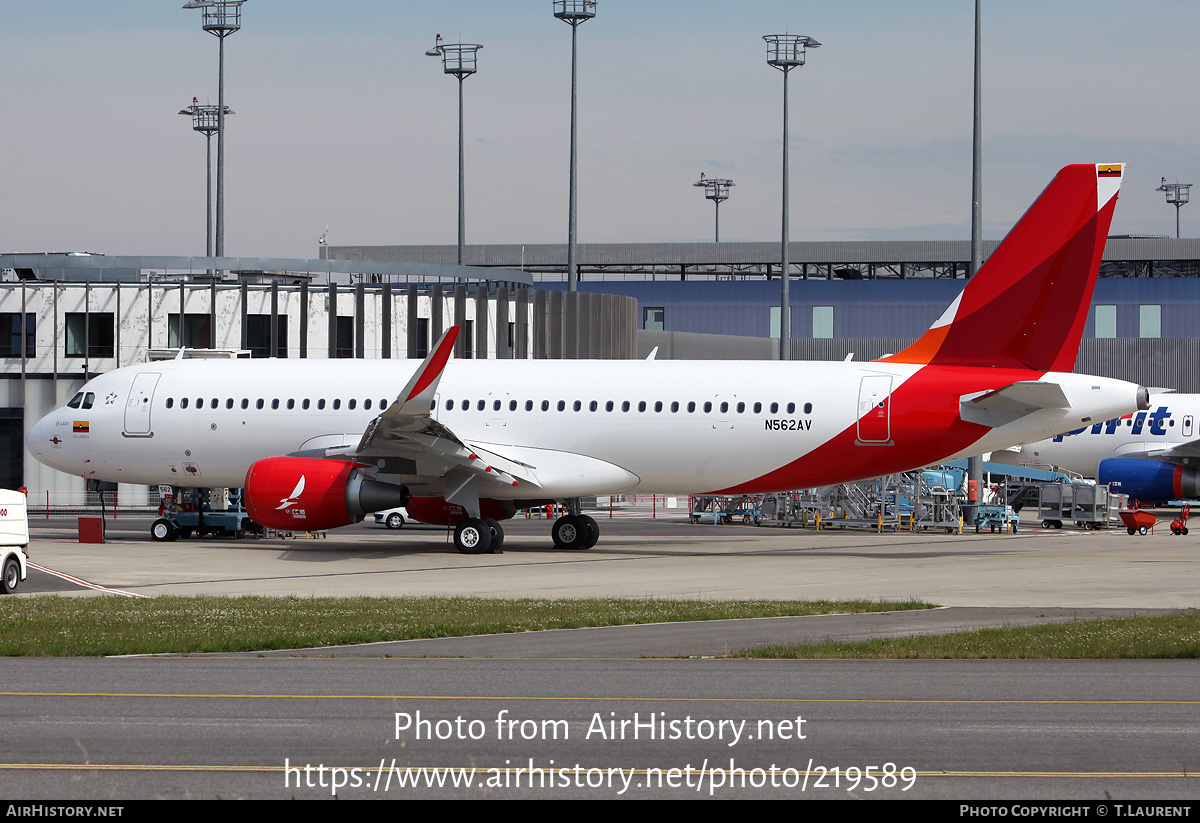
(304, 493)
(437, 512)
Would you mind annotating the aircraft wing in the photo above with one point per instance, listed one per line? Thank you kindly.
(1001, 406)
(407, 436)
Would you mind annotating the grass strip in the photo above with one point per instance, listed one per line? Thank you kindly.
(1168, 636)
(91, 626)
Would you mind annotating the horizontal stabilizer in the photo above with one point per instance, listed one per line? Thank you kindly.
(996, 408)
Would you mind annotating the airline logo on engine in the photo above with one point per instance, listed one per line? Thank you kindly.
(292, 499)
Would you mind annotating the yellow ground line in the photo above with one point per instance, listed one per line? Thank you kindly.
(560, 698)
(488, 770)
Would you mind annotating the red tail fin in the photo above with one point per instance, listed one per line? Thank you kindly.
(1027, 305)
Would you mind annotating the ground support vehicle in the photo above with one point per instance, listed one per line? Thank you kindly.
(14, 539)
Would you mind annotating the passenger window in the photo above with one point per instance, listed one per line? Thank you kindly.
(545, 405)
(741, 408)
(245, 402)
(305, 404)
(707, 406)
(576, 405)
(691, 407)
(658, 405)
(608, 406)
(199, 402)
(674, 405)
(724, 407)
(625, 406)
(512, 405)
(258, 404)
(183, 402)
(291, 404)
(495, 405)
(562, 405)
(321, 404)
(758, 408)
(774, 408)
(212, 404)
(449, 405)
(170, 402)
(641, 405)
(352, 403)
(481, 405)
(89, 399)
(791, 408)
(808, 408)
(74, 402)
(337, 403)
(275, 403)
(593, 405)
(229, 402)
(367, 404)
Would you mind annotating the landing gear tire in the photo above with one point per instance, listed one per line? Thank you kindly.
(593, 530)
(394, 521)
(570, 532)
(12, 576)
(164, 531)
(472, 536)
(497, 535)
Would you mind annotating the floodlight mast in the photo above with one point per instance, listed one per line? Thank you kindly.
(1178, 195)
(221, 19)
(573, 12)
(716, 190)
(785, 52)
(458, 59)
(204, 120)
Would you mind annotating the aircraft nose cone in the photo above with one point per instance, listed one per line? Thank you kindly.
(36, 437)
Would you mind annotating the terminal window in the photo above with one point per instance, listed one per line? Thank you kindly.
(258, 335)
(1149, 321)
(13, 332)
(776, 326)
(197, 331)
(654, 318)
(822, 317)
(1106, 321)
(90, 334)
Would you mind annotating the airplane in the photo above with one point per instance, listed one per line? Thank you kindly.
(1153, 455)
(317, 444)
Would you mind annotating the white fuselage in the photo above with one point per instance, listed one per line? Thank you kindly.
(704, 426)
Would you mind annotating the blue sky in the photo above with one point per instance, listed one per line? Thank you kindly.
(343, 122)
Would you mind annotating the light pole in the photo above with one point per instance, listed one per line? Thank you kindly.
(717, 191)
(221, 18)
(204, 120)
(785, 52)
(573, 12)
(1178, 195)
(458, 59)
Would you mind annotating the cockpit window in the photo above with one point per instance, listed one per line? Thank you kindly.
(89, 399)
(73, 403)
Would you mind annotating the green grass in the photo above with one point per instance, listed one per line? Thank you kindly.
(90, 626)
(1170, 636)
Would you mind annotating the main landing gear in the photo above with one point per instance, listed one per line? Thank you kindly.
(479, 535)
(483, 535)
(574, 530)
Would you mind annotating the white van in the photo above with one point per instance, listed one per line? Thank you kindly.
(14, 539)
